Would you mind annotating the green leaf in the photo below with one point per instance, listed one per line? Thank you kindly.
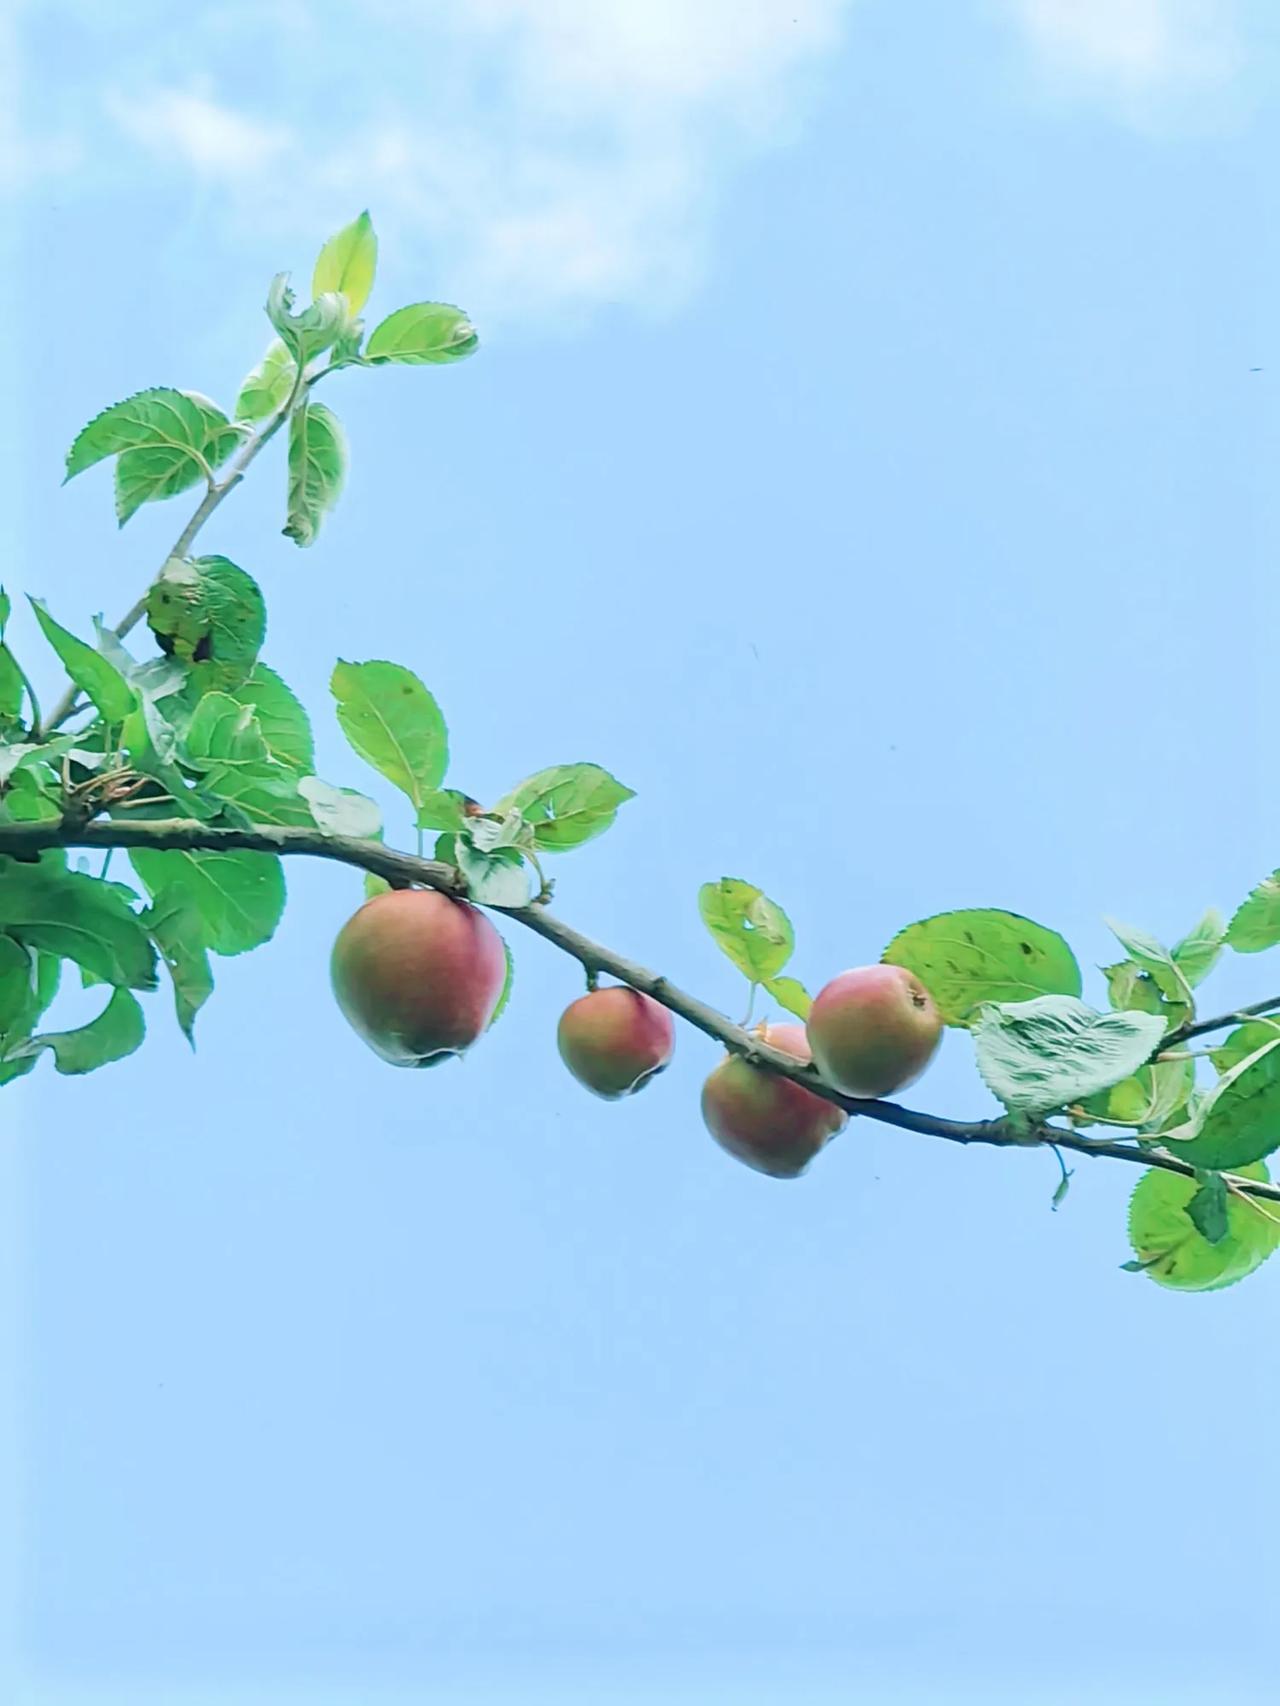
(116, 1032)
(747, 927)
(347, 263)
(423, 332)
(208, 611)
(6, 610)
(29, 983)
(1149, 1099)
(488, 832)
(443, 808)
(222, 731)
(1245, 1040)
(90, 671)
(790, 994)
(317, 469)
(1170, 1249)
(238, 897)
(266, 389)
(14, 754)
(17, 984)
(1043, 1054)
(503, 999)
(493, 879)
(1154, 959)
(77, 918)
(285, 726)
(1256, 922)
(310, 333)
(1197, 953)
(153, 472)
(1239, 1120)
(33, 796)
(159, 419)
(12, 687)
(1133, 990)
(393, 723)
(177, 930)
(341, 811)
(1207, 1210)
(375, 885)
(566, 804)
(968, 958)
(259, 795)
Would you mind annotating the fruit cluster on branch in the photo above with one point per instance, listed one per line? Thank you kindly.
(198, 762)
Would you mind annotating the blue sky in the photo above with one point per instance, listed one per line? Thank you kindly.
(863, 460)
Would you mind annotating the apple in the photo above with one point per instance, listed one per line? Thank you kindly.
(873, 1030)
(615, 1040)
(773, 1125)
(418, 975)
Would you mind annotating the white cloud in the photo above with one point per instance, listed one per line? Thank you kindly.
(553, 154)
(547, 156)
(1133, 47)
(192, 129)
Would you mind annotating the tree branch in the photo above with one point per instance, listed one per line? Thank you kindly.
(403, 869)
(1203, 1027)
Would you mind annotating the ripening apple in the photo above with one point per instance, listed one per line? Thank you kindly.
(615, 1040)
(873, 1030)
(773, 1125)
(418, 975)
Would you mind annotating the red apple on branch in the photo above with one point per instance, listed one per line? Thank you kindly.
(615, 1040)
(418, 975)
(768, 1122)
(873, 1030)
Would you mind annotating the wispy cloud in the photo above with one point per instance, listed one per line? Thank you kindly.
(555, 154)
(550, 156)
(1133, 49)
(196, 131)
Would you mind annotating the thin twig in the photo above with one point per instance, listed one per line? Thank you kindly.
(217, 490)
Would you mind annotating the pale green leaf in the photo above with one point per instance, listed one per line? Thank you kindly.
(207, 611)
(317, 469)
(507, 981)
(88, 669)
(222, 731)
(493, 879)
(1238, 1121)
(285, 726)
(162, 418)
(116, 1032)
(1054, 1050)
(1256, 923)
(176, 929)
(1173, 1253)
(238, 897)
(747, 927)
(790, 994)
(78, 918)
(310, 333)
(341, 811)
(1155, 959)
(267, 388)
(566, 804)
(394, 724)
(1197, 953)
(968, 958)
(347, 263)
(421, 333)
